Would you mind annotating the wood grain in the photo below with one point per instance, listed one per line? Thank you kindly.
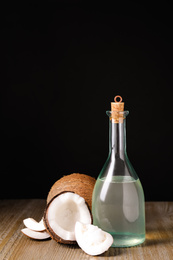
(15, 246)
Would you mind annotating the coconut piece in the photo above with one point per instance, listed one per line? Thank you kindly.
(34, 225)
(39, 235)
(92, 239)
(61, 215)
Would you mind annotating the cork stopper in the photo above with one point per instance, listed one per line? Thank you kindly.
(116, 108)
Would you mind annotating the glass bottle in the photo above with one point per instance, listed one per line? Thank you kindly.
(118, 204)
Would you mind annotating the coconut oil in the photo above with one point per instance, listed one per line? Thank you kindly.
(118, 205)
(118, 208)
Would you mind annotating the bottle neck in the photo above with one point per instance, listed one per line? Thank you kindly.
(117, 139)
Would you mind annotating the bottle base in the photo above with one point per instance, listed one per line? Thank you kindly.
(127, 240)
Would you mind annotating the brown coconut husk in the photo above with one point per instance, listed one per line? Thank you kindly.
(80, 184)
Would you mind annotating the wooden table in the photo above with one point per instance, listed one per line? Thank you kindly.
(15, 246)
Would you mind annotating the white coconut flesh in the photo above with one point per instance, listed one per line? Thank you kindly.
(39, 235)
(34, 225)
(92, 239)
(63, 213)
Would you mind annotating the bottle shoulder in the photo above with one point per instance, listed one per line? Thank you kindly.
(118, 166)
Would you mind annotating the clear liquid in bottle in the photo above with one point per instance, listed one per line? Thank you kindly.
(119, 209)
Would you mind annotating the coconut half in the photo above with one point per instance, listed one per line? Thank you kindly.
(61, 215)
(91, 239)
(69, 200)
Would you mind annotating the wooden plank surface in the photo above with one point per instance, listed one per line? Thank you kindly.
(15, 246)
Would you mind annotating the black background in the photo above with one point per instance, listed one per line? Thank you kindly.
(63, 63)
